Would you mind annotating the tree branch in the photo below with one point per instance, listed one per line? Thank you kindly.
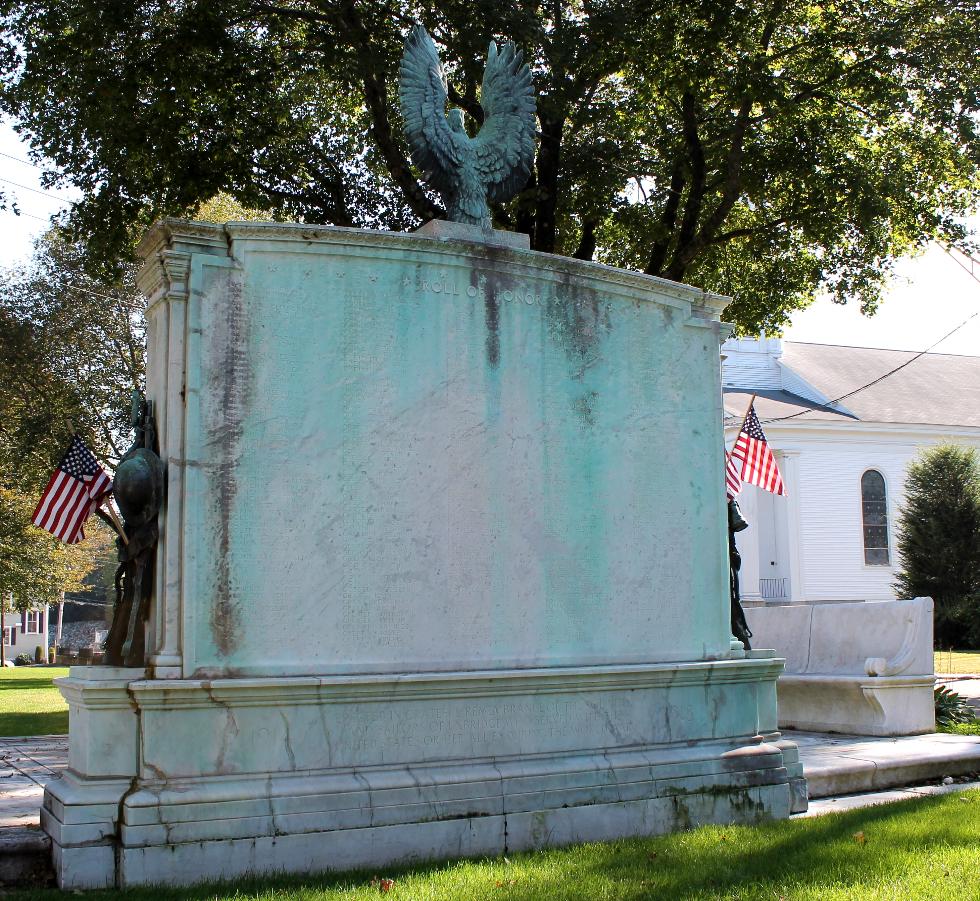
(689, 247)
(668, 219)
(695, 193)
(376, 98)
(586, 244)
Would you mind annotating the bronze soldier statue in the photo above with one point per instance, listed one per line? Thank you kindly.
(138, 488)
(740, 628)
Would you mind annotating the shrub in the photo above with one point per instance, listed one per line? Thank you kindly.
(23, 660)
(38, 654)
(952, 708)
(939, 541)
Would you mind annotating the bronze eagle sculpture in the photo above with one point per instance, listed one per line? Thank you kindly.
(468, 172)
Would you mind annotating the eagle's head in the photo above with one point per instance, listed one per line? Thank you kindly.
(456, 119)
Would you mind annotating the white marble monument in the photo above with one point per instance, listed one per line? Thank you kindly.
(443, 567)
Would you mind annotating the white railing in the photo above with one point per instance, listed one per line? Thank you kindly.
(773, 589)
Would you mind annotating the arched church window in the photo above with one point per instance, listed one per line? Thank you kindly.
(874, 510)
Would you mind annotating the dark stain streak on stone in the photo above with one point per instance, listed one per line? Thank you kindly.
(585, 407)
(232, 372)
(492, 306)
(579, 320)
(489, 281)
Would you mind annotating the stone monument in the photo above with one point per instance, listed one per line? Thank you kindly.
(442, 566)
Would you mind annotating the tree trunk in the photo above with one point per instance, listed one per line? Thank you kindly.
(3, 618)
(548, 166)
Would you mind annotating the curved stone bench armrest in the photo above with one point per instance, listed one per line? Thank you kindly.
(905, 657)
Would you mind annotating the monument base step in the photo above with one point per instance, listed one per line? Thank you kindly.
(849, 764)
(299, 774)
(192, 830)
(25, 858)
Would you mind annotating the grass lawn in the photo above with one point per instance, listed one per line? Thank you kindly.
(922, 849)
(29, 702)
(953, 662)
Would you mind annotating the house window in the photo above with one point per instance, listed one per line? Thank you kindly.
(874, 510)
(33, 621)
(8, 637)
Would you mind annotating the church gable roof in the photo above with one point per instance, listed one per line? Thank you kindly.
(935, 389)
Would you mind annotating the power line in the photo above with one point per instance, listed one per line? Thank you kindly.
(119, 300)
(908, 362)
(85, 603)
(970, 270)
(28, 215)
(49, 194)
(18, 159)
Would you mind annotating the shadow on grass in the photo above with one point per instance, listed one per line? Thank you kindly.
(54, 722)
(855, 848)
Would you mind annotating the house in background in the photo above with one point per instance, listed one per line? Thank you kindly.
(25, 631)
(832, 537)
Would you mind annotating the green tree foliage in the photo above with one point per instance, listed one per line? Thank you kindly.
(71, 352)
(939, 541)
(762, 148)
(35, 567)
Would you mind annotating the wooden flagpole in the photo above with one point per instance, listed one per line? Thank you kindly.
(728, 454)
(104, 503)
(748, 410)
(115, 519)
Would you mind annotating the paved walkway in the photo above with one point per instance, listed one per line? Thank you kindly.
(848, 764)
(26, 765)
(967, 686)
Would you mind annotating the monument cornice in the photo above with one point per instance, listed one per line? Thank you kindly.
(493, 253)
(212, 238)
(300, 690)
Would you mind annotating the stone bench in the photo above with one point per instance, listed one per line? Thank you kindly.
(863, 668)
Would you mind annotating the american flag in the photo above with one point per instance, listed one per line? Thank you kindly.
(733, 477)
(753, 458)
(75, 489)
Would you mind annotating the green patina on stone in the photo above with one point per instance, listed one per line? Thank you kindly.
(432, 454)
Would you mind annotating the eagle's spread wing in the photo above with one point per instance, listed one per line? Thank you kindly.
(422, 95)
(505, 144)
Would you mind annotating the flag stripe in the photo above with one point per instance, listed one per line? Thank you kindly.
(73, 492)
(752, 451)
(63, 488)
(76, 498)
(40, 511)
(78, 514)
(733, 479)
(68, 492)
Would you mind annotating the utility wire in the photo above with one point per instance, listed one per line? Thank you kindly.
(118, 300)
(911, 360)
(18, 159)
(44, 193)
(28, 215)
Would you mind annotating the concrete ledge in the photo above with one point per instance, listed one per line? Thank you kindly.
(848, 765)
(442, 230)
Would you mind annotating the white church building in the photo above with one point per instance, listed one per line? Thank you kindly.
(832, 538)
